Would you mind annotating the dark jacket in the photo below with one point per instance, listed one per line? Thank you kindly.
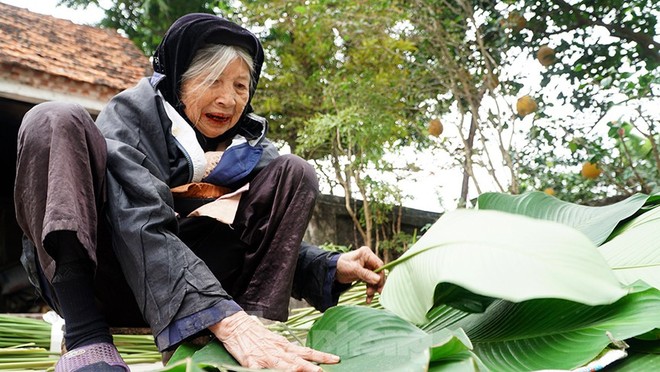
(144, 162)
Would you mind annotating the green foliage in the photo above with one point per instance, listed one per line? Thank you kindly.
(378, 340)
(555, 339)
(335, 247)
(346, 83)
(336, 89)
(398, 242)
(637, 362)
(638, 233)
(529, 252)
(545, 332)
(327, 67)
(579, 315)
(606, 62)
(597, 223)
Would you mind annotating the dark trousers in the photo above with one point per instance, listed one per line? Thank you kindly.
(60, 186)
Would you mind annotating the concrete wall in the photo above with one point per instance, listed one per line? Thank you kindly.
(332, 224)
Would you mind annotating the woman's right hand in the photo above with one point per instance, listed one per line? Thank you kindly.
(255, 346)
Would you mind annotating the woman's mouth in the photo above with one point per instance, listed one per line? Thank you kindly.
(219, 118)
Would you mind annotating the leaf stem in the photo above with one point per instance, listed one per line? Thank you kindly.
(402, 259)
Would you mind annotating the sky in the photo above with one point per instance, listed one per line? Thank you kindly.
(82, 16)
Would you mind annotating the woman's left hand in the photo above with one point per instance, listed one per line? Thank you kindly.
(360, 265)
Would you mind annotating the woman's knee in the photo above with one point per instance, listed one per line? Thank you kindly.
(44, 118)
(59, 124)
(297, 167)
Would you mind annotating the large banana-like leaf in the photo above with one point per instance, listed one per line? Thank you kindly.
(634, 254)
(192, 358)
(557, 334)
(654, 199)
(465, 361)
(184, 365)
(637, 363)
(499, 255)
(369, 339)
(595, 222)
(442, 316)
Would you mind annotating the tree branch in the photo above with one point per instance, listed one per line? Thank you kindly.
(649, 47)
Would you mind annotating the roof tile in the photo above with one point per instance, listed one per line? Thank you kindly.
(61, 47)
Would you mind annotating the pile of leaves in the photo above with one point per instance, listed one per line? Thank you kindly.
(25, 345)
(521, 283)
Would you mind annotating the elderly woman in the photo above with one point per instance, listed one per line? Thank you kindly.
(176, 211)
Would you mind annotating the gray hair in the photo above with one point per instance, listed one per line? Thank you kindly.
(210, 62)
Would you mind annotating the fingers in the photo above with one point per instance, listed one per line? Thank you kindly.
(371, 260)
(281, 363)
(292, 358)
(370, 294)
(375, 281)
(313, 355)
(367, 276)
(381, 282)
(294, 363)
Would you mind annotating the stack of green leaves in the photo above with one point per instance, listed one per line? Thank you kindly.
(523, 283)
(25, 343)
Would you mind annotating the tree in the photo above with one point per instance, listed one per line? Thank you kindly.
(146, 21)
(459, 62)
(346, 83)
(594, 55)
(605, 52)
(336, 90)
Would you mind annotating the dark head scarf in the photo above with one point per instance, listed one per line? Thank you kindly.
(181, 42)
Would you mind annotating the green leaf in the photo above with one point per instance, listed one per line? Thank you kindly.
(499, 255)
(557, 334)
(442, 317)
(654, 335)
(637, 362)
(465, 361)
(596, 222)
(183, 365)
(214, 353)
(448, 343)
(368, 339)
(194, 358)
(634, 253)
(653, 200)
(185, 350)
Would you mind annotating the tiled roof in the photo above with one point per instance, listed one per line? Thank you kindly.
(62, 48)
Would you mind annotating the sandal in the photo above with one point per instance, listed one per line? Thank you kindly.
(94, 357)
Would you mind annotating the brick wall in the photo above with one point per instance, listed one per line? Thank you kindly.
(53, 83)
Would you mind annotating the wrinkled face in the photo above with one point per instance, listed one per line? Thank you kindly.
(217, 109)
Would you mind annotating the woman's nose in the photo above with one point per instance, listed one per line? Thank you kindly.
(225, 97)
